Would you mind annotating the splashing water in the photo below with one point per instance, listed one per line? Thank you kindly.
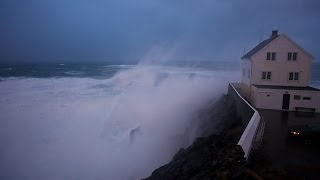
(79, 128)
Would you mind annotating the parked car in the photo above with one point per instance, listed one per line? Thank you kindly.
(307, 134)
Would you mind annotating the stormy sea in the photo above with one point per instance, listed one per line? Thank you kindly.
(103, 121)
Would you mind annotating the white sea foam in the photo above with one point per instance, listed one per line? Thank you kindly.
(315, 83)
(78, 128)
(74, 73)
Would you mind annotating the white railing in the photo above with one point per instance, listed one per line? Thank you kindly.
(247, 138)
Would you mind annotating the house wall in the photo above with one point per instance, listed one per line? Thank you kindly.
(246, 71)
(281, 67)
(272, 99)
(253, 96)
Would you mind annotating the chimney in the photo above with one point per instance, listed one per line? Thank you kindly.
(274, 34)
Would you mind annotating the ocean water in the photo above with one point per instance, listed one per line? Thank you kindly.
(73, 121)
(315, 75)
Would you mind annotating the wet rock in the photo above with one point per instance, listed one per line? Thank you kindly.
(207, 158)
(211, 156)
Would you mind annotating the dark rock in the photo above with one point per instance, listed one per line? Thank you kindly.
(204, 160)
(211, 156)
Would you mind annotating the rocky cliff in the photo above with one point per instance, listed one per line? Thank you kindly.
(215, 156)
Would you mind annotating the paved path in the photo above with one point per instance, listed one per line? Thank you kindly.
(276, 147)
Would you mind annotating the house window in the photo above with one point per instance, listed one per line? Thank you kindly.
(293, 76)
(273, 56)
(266, 75)
(289, 56)
(292, 56)
(296, 97)
(306, 98)
(296, 76)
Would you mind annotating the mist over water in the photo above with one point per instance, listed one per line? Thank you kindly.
(79, 128)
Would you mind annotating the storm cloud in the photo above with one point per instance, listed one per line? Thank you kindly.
(126, 30)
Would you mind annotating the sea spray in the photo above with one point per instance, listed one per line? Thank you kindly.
(79, 128)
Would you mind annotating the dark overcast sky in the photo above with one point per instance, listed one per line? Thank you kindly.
(127, 30)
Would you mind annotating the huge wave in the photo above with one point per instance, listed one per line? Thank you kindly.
(79, 128)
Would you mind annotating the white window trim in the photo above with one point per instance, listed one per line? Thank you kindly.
(266, 79)
(291, 59)
(270, 57)
(290, 56)
(293, 56)
(275, 56)
(294, 80)
(268, 53)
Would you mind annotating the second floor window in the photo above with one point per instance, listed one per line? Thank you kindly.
(289, 56)
(293, 76)
(271, 56)
(266, 75)
(292, 56)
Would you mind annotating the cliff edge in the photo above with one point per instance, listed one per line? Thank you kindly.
(216, 156)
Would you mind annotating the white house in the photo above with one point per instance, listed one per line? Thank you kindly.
(276, 75)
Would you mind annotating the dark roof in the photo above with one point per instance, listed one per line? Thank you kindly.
(306, 88)
(257, 48)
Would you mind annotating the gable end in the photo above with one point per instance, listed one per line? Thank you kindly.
(257, 48)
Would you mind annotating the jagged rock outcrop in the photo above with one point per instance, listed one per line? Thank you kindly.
(213, 157)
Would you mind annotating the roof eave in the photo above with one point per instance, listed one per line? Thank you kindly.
(246, 58)
(266, 42)
(300, 47)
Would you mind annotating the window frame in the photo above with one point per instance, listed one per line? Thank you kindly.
(289, 57)
(297, 97)
(296, 76)
(266, 75)
(273, 56)
(293, 76)
(294, 56)
(306, 98)
(268, 56)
